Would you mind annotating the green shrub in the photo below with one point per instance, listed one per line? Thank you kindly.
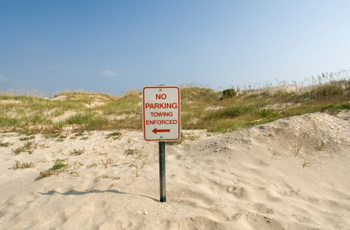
(336, 108)
(267, 113)
(89, 121)
(228, 93)
(115, 135)
(79, 119)
(59, 164)
(27, 138)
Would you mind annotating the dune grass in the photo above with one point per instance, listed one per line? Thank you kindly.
(24, 165)
(201, 108)
(59, 166)
(250, 108)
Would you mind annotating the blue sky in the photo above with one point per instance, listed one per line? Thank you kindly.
(113, 46)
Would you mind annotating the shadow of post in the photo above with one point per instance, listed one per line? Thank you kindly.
(78, 193)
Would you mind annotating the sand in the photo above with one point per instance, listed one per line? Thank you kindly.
(289, 174)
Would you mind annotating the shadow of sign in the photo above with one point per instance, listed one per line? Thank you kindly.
(78, 193)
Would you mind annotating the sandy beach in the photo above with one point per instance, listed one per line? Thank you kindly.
(289, 174)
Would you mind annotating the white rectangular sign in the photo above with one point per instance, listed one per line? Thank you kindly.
(161, 113)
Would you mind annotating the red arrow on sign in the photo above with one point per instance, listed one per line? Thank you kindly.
(155, 130)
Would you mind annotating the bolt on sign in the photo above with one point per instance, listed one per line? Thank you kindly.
(161, 113)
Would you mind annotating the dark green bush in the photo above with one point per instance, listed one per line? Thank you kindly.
(229, 93)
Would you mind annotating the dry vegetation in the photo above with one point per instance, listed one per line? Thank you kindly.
(202, 108)
(53, 141)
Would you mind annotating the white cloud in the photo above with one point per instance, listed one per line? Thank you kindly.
(109, 73)
(4, 78)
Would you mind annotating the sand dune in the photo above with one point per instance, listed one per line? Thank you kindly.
(289, 174)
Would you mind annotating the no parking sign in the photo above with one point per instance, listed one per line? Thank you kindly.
(161, 122)
(161, 113)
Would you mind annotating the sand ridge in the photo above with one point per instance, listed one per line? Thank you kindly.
(288, 174)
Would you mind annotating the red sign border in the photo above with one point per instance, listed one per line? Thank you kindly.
(143, 112)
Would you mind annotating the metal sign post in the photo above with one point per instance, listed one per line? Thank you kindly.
(162, 171)
(161, 121)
